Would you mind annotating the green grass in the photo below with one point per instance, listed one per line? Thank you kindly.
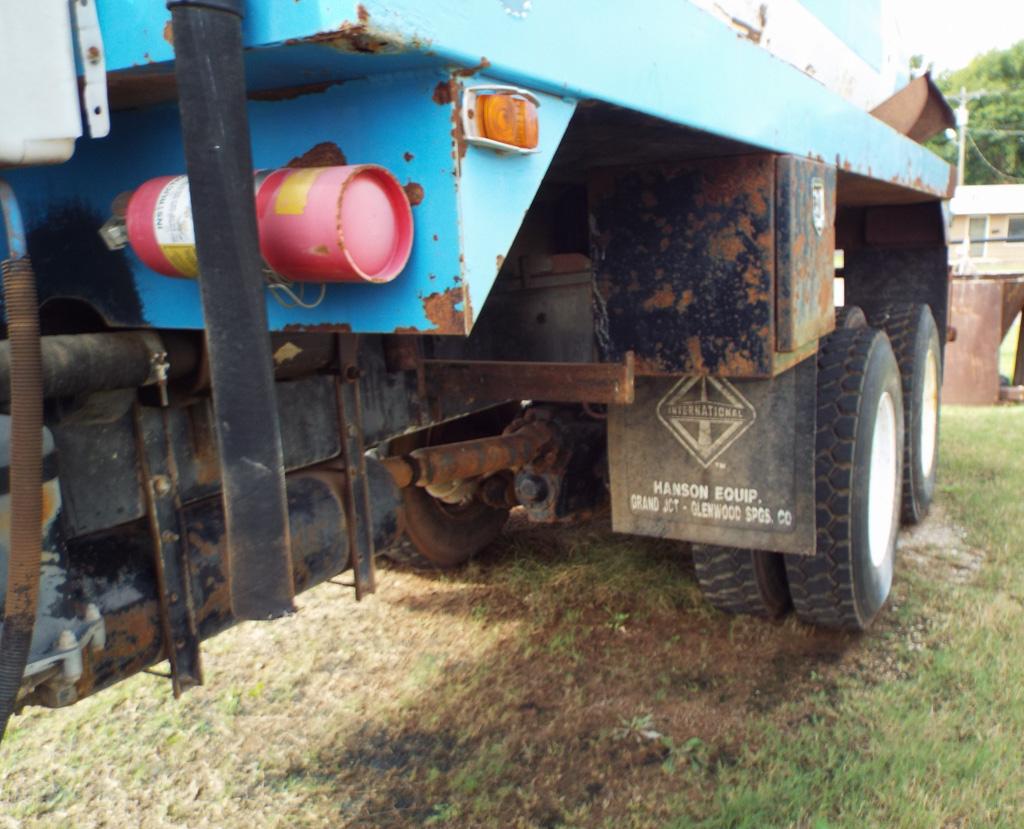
(576, 679)
(941, 744)
(619, 575)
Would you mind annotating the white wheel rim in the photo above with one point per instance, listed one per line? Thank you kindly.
(929, 413)
(882, 481)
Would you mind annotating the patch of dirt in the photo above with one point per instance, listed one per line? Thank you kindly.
(939, 547)
(538, 687)
(554, 700)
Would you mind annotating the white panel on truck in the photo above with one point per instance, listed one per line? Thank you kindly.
(39, 110)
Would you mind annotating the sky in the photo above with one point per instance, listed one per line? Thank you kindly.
(951, 32)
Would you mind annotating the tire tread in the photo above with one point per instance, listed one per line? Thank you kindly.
(822, 585)
(730, 581)
(901, 320)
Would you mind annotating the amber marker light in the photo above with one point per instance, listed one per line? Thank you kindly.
(501, 118)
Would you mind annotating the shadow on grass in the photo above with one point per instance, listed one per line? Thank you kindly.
(603, 692)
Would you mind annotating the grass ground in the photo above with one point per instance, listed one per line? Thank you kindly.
(576, 679)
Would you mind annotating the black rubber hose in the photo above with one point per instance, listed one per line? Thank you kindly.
(81, 363)
(26, 480)
(215, 132)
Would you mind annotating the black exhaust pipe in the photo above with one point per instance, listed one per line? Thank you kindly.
(215, 133)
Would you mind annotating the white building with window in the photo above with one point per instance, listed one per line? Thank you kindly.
(987, 231)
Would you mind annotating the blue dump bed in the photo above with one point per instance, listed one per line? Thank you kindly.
(382, 82)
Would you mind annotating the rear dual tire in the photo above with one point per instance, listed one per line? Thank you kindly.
(915, 342)
(850, 316)
(752, 582)
(858, 470)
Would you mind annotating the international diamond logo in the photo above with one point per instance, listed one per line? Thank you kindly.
(706, 415)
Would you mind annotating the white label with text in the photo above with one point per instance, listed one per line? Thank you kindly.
(737, 506)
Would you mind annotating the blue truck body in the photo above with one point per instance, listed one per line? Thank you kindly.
(364, 76)
(630, 314)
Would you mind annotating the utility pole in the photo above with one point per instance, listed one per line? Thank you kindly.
(961, 125)
(961, 130)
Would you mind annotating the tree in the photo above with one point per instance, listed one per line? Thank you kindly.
(995, 131)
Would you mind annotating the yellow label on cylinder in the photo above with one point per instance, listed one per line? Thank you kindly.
(293, 193)
(182, 258)
(172, 226)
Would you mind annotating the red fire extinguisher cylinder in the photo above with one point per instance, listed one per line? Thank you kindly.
(316, 224)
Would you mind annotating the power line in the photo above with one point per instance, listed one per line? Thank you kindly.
(966, 96)
(984, 93)
(963, 136)
(996, 131)
(988, 163)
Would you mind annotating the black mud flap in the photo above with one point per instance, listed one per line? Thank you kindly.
(717, 461)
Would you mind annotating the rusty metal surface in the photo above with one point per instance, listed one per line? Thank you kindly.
(295, 354)
(1011, 394)
(393, 399)
(541, 319)
(356, 492)
(402, 470)
(99, 458)
(173, 577)
(919, 110)
(116, 569)
(684, 258)
(477, 382)
(899, 225)
(402, 352)
(99, 474)
(308, 425)
(971, 371)
(877, 276)
(1013, 301)
(431, 465)
(784, 361)
(805, 248)
(58, 609)
(709, 460)
(319, 544)
(864, 191)
(567, 480)
(537, 267)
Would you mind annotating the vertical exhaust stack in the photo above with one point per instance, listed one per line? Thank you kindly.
(215, 134)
